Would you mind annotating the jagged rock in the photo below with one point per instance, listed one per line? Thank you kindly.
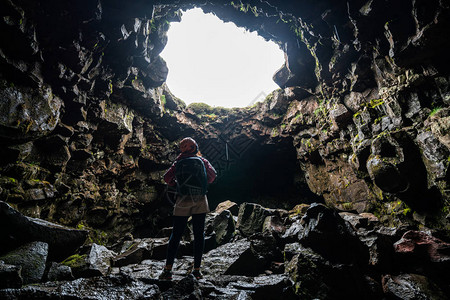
(293, 232)
(274, 225)
(111, 287)
(224, 227)
(411, 286)
(10, 276)
(283, 77)
(441, 127)
(326, 233)
(157, 72)
(314, 277)
(265, 247)
(363, 220)
(383, 165)
(32, 258)
(18, 229)
(135, 253)
(434, 155)
(340, 116)
(251, 218)
(59, 272)
(234, 258)
(27, 113)
(421, 246)
(186, 288)
(381, 253)
(92, 261)
(227, 205)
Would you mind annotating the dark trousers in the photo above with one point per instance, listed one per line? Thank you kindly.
(179, 224)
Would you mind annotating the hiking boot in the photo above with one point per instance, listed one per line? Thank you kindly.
(166, 275)
(197, 274)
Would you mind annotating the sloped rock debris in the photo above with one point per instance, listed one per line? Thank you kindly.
(248, 267)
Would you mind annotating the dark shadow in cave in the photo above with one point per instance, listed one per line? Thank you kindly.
(267, 174)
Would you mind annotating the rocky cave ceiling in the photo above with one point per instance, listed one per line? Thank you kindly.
(96, 125)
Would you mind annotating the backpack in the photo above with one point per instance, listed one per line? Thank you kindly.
(190, 173)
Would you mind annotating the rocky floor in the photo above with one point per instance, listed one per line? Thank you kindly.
(310, 252)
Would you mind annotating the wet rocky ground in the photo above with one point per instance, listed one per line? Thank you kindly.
(310, 252)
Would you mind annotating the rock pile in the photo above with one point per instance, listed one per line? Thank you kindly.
(311, 252)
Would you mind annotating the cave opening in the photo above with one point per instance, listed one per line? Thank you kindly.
(259, 172)
(218, 63)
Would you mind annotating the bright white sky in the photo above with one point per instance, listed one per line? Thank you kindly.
(218, 63)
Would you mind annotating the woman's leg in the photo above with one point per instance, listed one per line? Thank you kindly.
(179, 224)
(198, 224)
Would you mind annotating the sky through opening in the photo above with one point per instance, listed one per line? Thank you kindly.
(218, 63)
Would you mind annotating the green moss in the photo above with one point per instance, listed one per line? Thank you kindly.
(274, 132)
(75, 261)
(110, 86)
(435, 111)
(347, 206)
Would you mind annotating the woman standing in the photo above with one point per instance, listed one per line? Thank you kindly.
(190, 173)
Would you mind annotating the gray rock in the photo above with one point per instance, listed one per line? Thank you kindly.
(251, 218)
(27, 113)
(224, 227)
(110, 287)
(18, 229)
(411, 286)
(136, 253)
(92, 261)
(32, 258)
(315, 277)
(292, 233)
(330, 236)
(10, 276)
(341, 116)
(234, 258)
(59, 272)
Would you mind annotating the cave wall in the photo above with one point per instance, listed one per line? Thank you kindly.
(88, 125)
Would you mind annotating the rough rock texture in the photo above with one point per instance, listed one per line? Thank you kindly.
(361, 119)
(32, 258)
(17, 229)
(361, 123)
(95, 260)
(10, 276)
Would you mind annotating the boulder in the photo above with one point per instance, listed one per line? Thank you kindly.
(315, 277)
(186, 288)
(224, 227)
(10, 276)
(293, 232)
(411, 286)
(363, 220)
(110, 287)
(329, 235)
(32, 258)
(421, 246)
(274, 225)
(227, 205)
(381, 253)
(59, 272)
(251, 218)
(265, 247)
(94, 260)
(236, 258)
(137, 252)
(18, 229)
